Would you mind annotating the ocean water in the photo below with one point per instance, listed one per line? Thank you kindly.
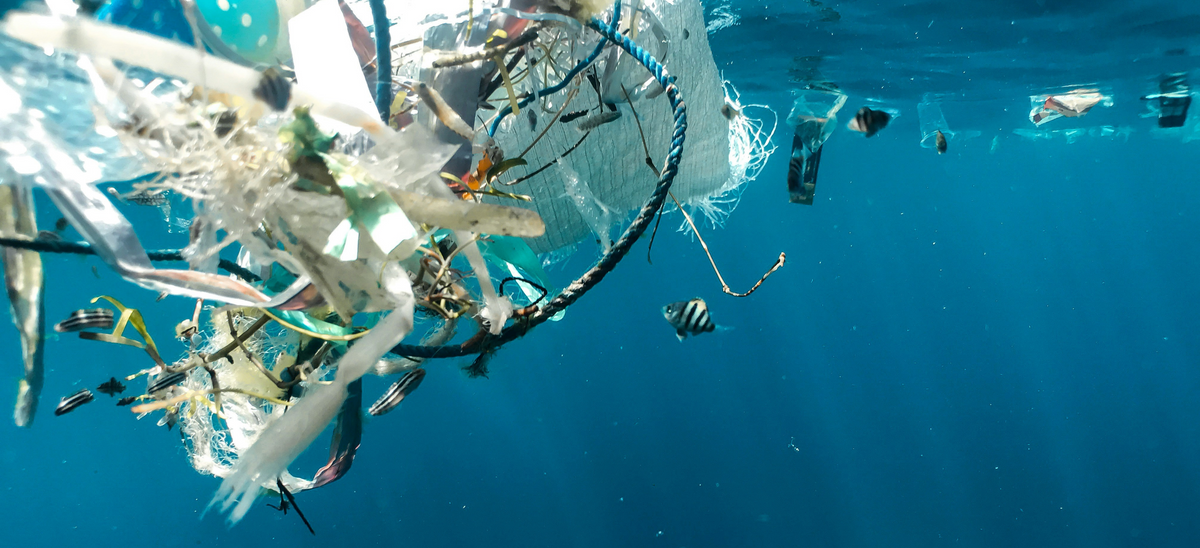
(993, 347)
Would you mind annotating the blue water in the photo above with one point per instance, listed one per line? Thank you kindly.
(984, 349)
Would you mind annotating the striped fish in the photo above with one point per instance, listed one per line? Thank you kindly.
(77, 399)
(396, 393)
(689, 317)
(88, 318)
(165, 380)
(869, 122)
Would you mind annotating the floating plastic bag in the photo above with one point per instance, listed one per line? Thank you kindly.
(1075, 103)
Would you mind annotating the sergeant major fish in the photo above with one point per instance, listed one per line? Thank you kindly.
(869, 122)
(689, 317)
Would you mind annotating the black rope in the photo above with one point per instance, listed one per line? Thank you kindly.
(162, 255)
(523, 280)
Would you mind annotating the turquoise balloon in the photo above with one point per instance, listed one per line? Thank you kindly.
(249, 27)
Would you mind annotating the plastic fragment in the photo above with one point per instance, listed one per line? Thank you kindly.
(598, 216)
(284, 440)
(497, 308)
(172, 58)
(24, 282)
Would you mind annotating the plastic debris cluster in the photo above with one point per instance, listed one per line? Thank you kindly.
(352, 230)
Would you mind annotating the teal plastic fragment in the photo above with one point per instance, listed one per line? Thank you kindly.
(300, 319)
(385, 221)
(512, 250)
(377, 213)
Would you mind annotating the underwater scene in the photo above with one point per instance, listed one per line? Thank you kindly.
(551, 273)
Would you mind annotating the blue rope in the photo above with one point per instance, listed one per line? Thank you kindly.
(571, 74)
(383, 60)
(618, 251)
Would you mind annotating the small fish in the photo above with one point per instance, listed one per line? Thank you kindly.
(274, 89)
(532, 116)
(572, 116)
(869, 121)
(126, 401)
(112, 387)
(153, 198)
(729, 112)
(165, 380)
(88, 318)
(940, 142)
(689, 317)
(95, 272)
(77, 399)
(595, 121)
(397, 392)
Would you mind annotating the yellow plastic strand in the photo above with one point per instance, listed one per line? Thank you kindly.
(129, 316)
(508, 85)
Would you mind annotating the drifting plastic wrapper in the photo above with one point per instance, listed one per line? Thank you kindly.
(814, 117)
(1075, 103)
(361, 212)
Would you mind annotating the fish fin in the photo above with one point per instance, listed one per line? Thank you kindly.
(681, 334)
